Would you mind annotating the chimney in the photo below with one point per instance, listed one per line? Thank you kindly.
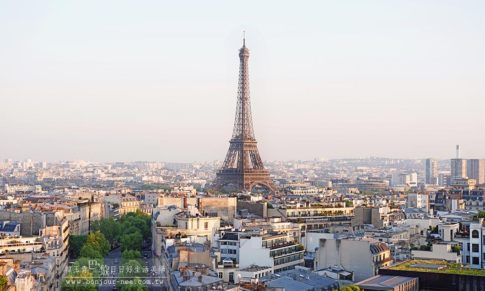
(457, 151)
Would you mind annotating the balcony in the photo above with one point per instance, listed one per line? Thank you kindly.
(289, 249)
(294, 258)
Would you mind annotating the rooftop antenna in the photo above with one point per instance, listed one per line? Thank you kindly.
(244, 38)
(457, 151)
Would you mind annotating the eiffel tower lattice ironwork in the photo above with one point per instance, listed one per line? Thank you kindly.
(243, 167)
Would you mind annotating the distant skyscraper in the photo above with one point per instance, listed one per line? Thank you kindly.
(431, 172)
(458, 168)
(458, 165)
(476, 170)
(243, 167)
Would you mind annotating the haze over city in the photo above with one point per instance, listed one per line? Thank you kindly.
(125, 81)
(242, 145)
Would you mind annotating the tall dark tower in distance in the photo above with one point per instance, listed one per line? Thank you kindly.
(243, 167)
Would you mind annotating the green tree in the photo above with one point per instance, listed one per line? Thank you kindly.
(80, 275)
(350, 288)
(131, 255)
(127, 229)
(3, 282)
(98, 242)
(76, 242)
(110, 228)
(137, 221)
(88, 251)
(456, 249)
(132, 241)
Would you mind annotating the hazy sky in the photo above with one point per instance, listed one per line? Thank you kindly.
(157, 80)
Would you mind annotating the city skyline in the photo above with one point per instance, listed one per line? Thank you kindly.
(133, 84)
(256, 145)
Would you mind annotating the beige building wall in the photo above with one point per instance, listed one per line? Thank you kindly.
(352, 255)
(224, 207)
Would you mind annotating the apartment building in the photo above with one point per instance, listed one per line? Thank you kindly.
(275, 250)
(361, 256)
(473, 250)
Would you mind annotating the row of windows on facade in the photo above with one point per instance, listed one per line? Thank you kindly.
(283, 251)
(475, 247)
(475, 260)
(288, 259)
(228, 251)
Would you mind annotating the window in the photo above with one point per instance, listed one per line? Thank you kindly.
(475, 260)
(468, 246)
(220, 274)
(467, 259)
(475, 248)
(475, 233)
(206, 225)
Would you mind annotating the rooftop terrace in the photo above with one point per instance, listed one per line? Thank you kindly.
(436, 266)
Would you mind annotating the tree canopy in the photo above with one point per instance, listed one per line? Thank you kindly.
(76, 242)
(110, 228)
(98, 242)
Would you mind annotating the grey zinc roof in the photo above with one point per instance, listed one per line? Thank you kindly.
(385, 281)
(295, 277)
(289, 284)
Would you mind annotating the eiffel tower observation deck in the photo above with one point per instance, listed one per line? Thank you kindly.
(243, 168)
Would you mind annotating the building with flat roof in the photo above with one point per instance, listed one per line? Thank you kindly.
(389, 283)
(191, 280)
(442, 251)
(458, 168)
(276, 250)
(363, 257)
(476, 170)
(300, 279)
(439, 275)
(431, 172)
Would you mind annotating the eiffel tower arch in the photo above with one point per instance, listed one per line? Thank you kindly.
(243, 167)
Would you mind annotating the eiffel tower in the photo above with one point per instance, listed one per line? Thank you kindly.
(243, 168)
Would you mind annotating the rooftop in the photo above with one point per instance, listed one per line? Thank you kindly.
(254, 268)
(299, 279)
(385, 281)
(8, 226)
(436, 266)
(378, 247)
(230, 236)
(195, 280)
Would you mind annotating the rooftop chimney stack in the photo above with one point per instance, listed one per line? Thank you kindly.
(457, 151)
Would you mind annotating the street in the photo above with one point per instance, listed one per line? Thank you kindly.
(153, 280)
(112, 260)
